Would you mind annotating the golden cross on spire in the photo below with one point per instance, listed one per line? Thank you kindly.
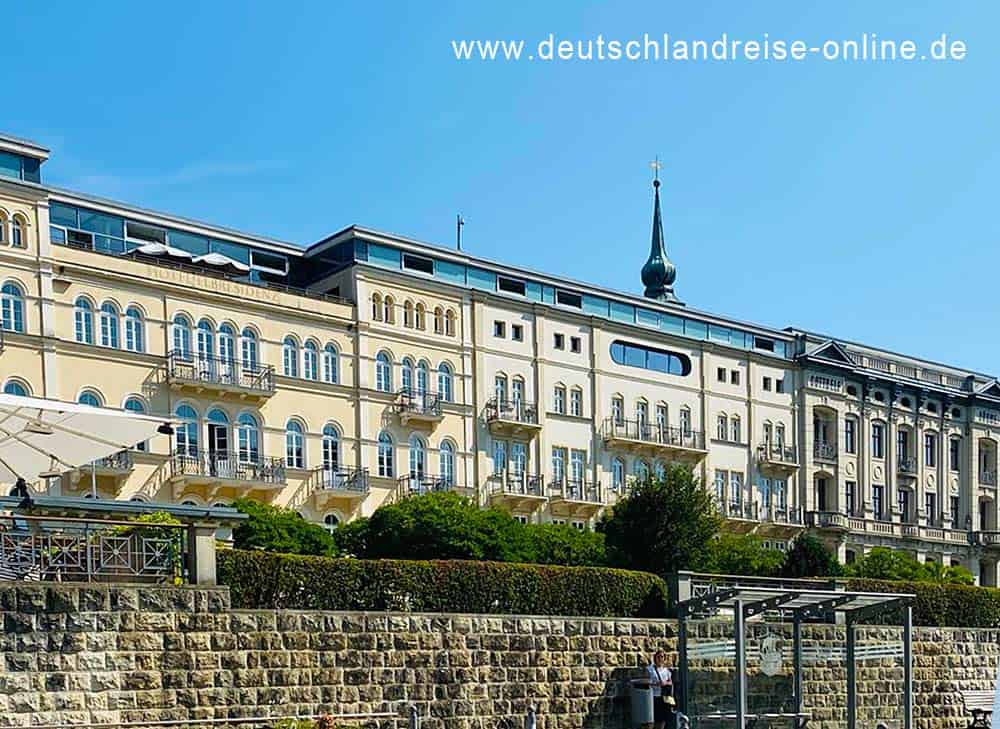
(656, 166)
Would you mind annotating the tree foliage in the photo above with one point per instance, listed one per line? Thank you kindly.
(277, 529)
(809, 557)
(743, 554)
(882, 563)
(662, 524)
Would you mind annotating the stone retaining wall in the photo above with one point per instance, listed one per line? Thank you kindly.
(115, 654)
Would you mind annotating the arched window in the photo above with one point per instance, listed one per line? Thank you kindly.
(660, 469)
(295, 447)
(445, 391)
(422, 376)
(618, 410)
(641, 471)
(17, 232)
(14, 387)
(12, 306)
(618, 474)
(446, 458)
(135, 337)
(135, 405)
(227, 344)
(383, 373)
(386, 467)
(408, 314)
(90, 397)
(736, 429)
(449, 323)
(182, 336)
(310, 360)
(186, 432)
(331, 364)
(418, 457)
(377, 307)
(218, 440)
(290, 357)
(438, 320)
(331, 448)
(685, 420)
(406, 374)
(248, 349)
(722, 426)
(420, 317)
(389, 310)
(109, 325)
(83, 320)
(500, 389)
(247, 438)
(3, 227)
(331, 522)
(206, 345)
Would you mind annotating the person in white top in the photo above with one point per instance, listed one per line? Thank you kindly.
(662, 685)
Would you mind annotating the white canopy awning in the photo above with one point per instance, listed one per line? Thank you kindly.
(220, 261)
(39, 436)
(162, 249)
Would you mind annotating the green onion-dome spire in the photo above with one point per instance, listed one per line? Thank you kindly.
(659, 273)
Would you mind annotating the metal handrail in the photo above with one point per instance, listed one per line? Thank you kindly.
(326, 478)
(645, 432)
(229, 465)
(517, 483)
(120, 461)
(907, 465)
(210, 368)
(575, 489)
(776, 453)
(419, 402)
(825, 451)
(422, 483)
(517, 411)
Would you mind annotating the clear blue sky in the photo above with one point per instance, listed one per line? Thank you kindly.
(855, 199)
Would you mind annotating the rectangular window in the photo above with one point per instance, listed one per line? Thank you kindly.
(734, 377)
(878, 504)
(767, 384)
(720, 485)
(559, 341)
(510, 286)
(78, 239)
(558, 465)
(499, 329)
(850, 496)
(517, 332)
(418, 263)
(779, 385)
(903, 499)
(560, 400)
(850, 435)
(577, 465)
(720, 374)
(499, 456)
(930, 508)
(567, 299)
(930, 450)
(955, 454)
(721, 427)
(878, 440)
(903, 445)
(576, 403)
(954, 512)
(574, 345)
(736, 487)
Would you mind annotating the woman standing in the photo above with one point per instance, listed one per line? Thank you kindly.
(662, 686)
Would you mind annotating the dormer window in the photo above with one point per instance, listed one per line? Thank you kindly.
(418, 263)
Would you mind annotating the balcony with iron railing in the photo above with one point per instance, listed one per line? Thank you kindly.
(217, 470)
(777, 458)
(575, 490)
(328, 484)
(517, 491)
(115, 464)
(417, 484)
(512, 417)
(907, 466)
(641, 436)
(418, 407)
(987, 478)
(219, 374)
(823, 451)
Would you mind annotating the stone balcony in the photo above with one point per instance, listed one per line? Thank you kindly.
(517, 492)
(200, 374)
(577, 498)
(512, 418)
(219, 474)
(418, 408)
(638, 436)
(343, 487)
(823, 451)
(860, 525)
(777, 459)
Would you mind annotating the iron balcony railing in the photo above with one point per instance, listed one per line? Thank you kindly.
(327, 478)
(784, 515)
(653, 433)
(416, 402)
(213, 370)
(34, 548)
(825, 451)
(416, 484)
(776, 453)
(741, 510)
(518, 484)
(229, 466)
(988, 478)
(514, 411)
(907, 465)
(575, 490)
(120, 461)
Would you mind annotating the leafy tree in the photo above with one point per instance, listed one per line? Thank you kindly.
(743, 554)
(662, 525)
(445, 526)
(887, 564)
(352, 538)
(277, 529)
(565, 545)
(809, 557)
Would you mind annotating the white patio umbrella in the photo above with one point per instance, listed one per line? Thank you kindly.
(41, 438)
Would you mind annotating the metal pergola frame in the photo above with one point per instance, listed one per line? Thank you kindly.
(802, 601)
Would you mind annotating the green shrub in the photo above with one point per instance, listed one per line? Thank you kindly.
(277, 529)
(352, 538)
(941, 605)
(882, 563)
(742, 554)
(809, 557)
(280, 581)
(565, 545)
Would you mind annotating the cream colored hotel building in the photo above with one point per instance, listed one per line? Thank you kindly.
(337, 376)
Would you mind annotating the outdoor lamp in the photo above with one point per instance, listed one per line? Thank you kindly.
(165, 429)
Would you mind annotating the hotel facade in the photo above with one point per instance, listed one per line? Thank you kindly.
(335, 377)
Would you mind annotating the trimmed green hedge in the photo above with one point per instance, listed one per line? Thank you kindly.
(281, 581)
(942, 605)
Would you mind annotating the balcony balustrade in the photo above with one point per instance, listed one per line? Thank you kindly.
(415, 406)
(777, 458)
(226, 470)
(823, 451)
(519, 492)
(512, 417)
(568, 489)
(641, 436)
(988, 478)
(416, 484)
(907, 466)
(209, 372)
(117, 463)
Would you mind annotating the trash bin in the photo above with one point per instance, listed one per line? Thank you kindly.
(642, 702)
